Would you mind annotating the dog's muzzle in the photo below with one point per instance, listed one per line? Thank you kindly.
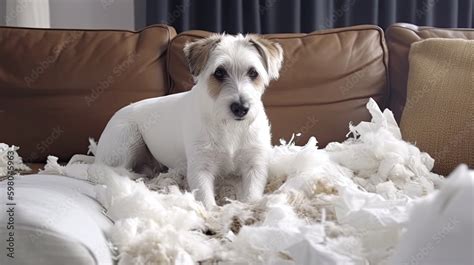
(240, 109)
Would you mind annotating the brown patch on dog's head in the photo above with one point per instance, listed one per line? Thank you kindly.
(197, 53)
(214, 87)
(271, 53)
(259, 82)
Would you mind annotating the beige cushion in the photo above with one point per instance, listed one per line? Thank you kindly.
(439, 113)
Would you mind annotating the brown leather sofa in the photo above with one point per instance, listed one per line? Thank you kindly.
(59, 87)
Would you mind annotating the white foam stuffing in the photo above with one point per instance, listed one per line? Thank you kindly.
(6, 152)
(345, 204)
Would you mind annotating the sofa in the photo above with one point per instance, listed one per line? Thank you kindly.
(58, 87)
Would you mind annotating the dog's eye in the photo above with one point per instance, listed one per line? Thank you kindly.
(220, 73)
(252, 73)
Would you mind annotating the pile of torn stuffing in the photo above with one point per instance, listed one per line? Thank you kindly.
(345, 204)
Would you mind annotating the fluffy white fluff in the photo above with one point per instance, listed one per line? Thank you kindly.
(441, 229)
(345, 204)
(17, 161)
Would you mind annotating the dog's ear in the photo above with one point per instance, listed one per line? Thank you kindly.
(197, 52)
(271, 53)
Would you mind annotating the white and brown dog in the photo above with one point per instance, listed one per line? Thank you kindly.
(218, 128)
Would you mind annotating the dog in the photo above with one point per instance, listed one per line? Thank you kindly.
(218, 128)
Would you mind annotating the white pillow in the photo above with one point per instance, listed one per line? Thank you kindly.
(56, 221)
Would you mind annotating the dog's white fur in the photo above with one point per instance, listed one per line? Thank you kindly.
(195, 131)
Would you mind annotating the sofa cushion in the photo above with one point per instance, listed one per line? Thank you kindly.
(439, 111)
(326, 80)
(399, 37)
(59, 87)
(56, 221)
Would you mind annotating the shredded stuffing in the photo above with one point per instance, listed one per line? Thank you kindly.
(345, 204)
(6, 158)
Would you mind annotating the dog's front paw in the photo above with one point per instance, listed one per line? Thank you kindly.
(253, 186)
(210, 204)
(207, 200)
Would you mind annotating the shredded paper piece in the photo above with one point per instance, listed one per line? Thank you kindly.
(346, 204)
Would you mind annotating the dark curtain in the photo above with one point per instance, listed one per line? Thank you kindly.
(281, 16)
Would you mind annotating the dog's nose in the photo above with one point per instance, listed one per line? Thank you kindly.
(239, 109)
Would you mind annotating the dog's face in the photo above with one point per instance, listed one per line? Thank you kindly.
(234, 71)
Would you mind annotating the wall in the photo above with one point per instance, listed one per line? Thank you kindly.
(105, 14)
(3, 6)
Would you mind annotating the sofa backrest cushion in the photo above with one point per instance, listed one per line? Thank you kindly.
(400, 37)
(59, 87)
(326, 80)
